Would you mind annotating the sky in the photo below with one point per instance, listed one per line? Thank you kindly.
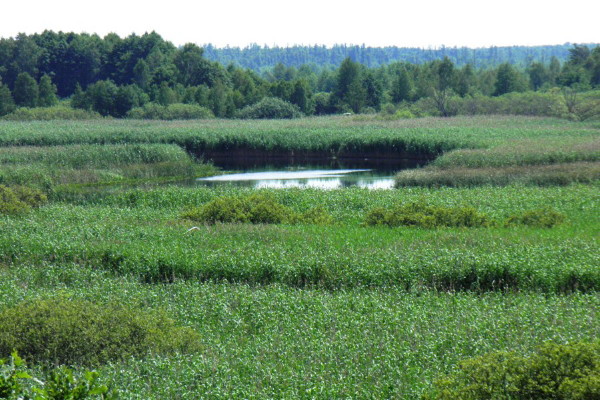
(376, 23)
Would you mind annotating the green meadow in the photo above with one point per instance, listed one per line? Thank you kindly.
(346, 305)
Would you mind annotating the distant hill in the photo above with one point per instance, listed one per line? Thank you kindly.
(259, 58)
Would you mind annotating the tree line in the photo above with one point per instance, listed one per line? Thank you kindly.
(114, 75)
(260, 58)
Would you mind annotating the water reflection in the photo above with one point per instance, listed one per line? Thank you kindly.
(321, 179)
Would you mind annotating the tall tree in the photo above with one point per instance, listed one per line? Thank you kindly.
(507, 80)
(47, 92)
(26, 90)
(538, 75)
(300, 96)
(7, 104)
(349, 88)
(401, 86)
(373, 90)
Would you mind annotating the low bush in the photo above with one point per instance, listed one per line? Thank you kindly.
(170, 112)
(270, 108)
(10, 203)
(66, 331)
(17, 383)
(255, 209)
(540, 218)
(570, 371)
(19, 199)
(51, 113)
(425, 216)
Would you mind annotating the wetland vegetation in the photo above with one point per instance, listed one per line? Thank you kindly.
(485, 257)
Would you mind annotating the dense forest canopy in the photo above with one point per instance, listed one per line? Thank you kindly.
(114, 75)
(259, 58)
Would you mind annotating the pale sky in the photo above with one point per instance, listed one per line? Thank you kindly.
(412, 23)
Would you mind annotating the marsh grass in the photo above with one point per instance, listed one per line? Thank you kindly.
(139, 233)
(279, 342)
(533, 175)
(48, 166)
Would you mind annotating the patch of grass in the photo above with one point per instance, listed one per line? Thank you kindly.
(67, 331)
(535, 175)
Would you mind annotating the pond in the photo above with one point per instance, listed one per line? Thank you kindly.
(322, 173)
(306, 177)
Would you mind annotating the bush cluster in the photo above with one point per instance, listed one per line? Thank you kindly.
(20, 199)
(540, 218)
(554, 371)
(17, 383)
(270, 108)
(426, 216)
(65, 331)
(50, 113)
(255, 209)
(170, 112)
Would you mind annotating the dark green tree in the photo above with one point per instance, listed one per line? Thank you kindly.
(7, 104)
(349, 90)
(26, 90)
(47, 92)
(79, 99)
(507, 80)
(553, 70)
(141, 74)
(128, 97)
(401, 86)
(101, 95)
(465, 81)
(538, 75)
(166, 95)
(373, 90)
(301, 96)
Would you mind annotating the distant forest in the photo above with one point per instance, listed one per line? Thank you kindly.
(148, 77)
(259, 58)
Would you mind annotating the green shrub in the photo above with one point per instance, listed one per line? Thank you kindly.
(66, 331)
(10, 203)
(425, 216)
(170, 112)
(554, 371)
(270, 108)
(32, 197)
(61, 383)
(50, 113)
(256, 209)
(541, 218)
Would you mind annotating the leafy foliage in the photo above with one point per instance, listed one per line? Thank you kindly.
(270, 108)
(66, 331)
(255, 208)
(540, 218)
(50, 113)
(19, 199)
(554, 371)
(16, 382)
(426, 216)
(170, 112)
